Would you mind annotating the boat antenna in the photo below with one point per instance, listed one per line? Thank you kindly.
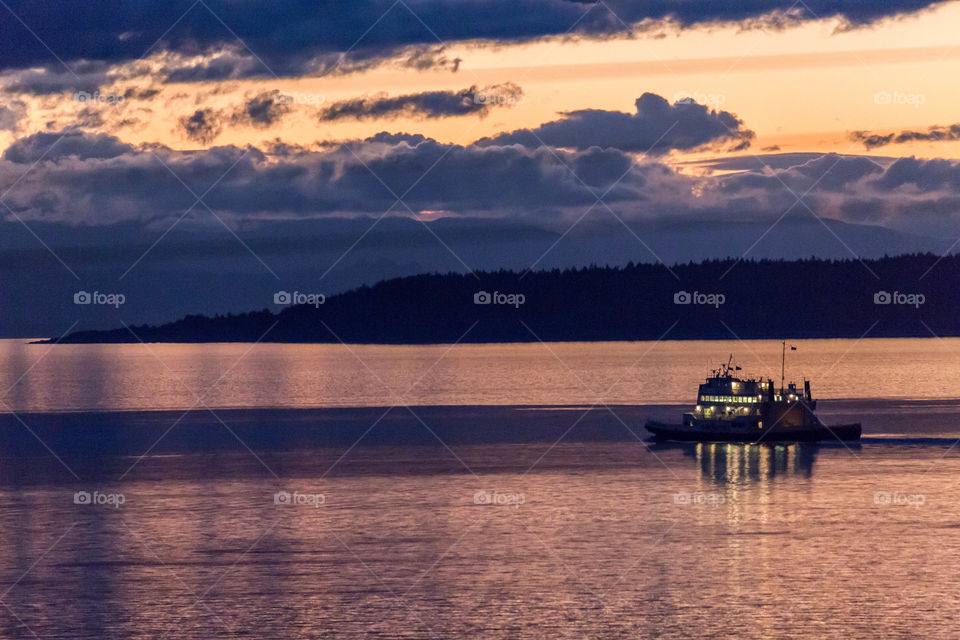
(783, 361)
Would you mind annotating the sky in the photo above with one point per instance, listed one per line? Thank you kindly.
(343, 142)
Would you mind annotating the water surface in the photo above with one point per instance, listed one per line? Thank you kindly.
(244, 524)
(171, 376)
(608, 541)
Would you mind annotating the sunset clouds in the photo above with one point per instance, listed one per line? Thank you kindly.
(97, 179)
(296, 38)
(656, 127)
(352, 141)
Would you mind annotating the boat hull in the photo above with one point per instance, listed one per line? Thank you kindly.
(806, 433)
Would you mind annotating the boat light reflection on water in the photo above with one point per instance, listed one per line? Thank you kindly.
(731, 463)
(747, 476)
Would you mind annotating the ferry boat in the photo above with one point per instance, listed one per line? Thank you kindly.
(731, 409)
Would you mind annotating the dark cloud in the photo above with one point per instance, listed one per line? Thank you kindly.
(907, 194)
(830, 172)
(767, 162)
(428, 104)
(872, 140)
(776, 189)
(261, 111)
(89, 118)
(384, 137)
(53, 147)
(429, 57)
(423, 57)
(293, 38)
(203, 126)
(11, 114)
(96, 179)
(52, 79)
(601, 168)
(135, 93)
(926, 177)
(657, 127)
(230, 63)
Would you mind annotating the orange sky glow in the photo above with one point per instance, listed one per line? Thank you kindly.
(802, 88)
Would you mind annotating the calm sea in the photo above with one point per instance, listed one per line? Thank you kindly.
(170, 376)
(538, 540)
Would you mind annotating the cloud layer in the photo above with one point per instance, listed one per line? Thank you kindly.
(656, 127)
(202, 126)
(97, 179)
(873, 140)
(427, 104)
(257, 37)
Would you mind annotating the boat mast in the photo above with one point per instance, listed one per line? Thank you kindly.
(783, 360)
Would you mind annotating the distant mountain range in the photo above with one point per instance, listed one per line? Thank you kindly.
(200, 267)
(912, 295)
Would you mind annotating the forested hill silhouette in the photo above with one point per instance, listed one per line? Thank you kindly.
(911, 295)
